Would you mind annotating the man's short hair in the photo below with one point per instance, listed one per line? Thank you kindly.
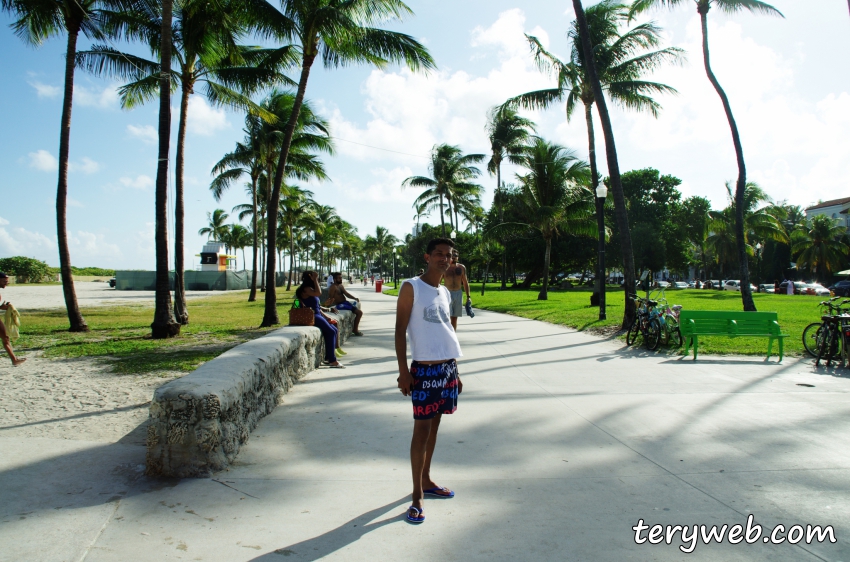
(436, 242)
(3, 275)
(335, 274)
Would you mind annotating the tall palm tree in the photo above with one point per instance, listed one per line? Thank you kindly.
(621, 61)
(553, 198)
(216, 228)
(381, 242)
(508, 133)
(730, 7)
(451, 172)
(206, 58)
(343, 32)
(164, 324)
(296, 211)
(37, 21)
(821, 246)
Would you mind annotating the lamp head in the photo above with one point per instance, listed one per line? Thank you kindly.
(602, 191)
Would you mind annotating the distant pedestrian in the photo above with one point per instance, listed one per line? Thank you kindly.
(432, 380)
(4, 334)
(790, 288)
(457, 284)
(776, 286)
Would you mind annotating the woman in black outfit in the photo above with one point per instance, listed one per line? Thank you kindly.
(309, 293)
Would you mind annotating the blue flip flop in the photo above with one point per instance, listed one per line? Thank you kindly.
(439, 492)
(418, 518)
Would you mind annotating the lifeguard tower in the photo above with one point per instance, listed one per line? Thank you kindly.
(214, 258)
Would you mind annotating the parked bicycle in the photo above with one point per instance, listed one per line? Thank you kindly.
(834, 335)
(645, 324)
(816, 332)
(670, 332)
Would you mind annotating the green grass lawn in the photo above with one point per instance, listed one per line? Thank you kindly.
(572, 308)
(121, 334)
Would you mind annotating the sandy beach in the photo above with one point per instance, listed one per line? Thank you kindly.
(89, 293)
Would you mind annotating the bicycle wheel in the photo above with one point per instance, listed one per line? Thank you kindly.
(653, 335)
(810, 338)
(675, 333)
(634, 332)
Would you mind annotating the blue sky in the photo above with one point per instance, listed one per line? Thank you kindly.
(791, 102)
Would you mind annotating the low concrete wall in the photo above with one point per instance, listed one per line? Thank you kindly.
(199, 422)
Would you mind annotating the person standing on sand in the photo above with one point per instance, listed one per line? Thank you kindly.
(432, 380)
(7, 343)
(457, 284)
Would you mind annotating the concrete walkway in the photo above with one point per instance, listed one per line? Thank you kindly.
(561, 443)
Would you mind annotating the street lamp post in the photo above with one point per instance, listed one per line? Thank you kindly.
(758, 264)
(395, 275)
(601, 194)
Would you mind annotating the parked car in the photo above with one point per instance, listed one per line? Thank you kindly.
(766, 288)
(692, 285)
(680, 285)
(662, 284)
(841, 289)
(112, 282)
(817, 289)
(732, 285)
(799, 287)
(712, 284)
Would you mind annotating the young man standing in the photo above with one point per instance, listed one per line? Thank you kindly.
(4, 336)
(432, 380)
(338, 294)
(457, 284)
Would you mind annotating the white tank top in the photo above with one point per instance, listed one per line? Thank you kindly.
(430, 331)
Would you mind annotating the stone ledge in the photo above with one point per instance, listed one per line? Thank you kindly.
(199, 422)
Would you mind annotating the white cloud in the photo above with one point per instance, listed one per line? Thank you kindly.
(45, 90)
(507, 34)
(16, 241)
(384, 188)
(43, 160)
(92, 246)
(141, 182)
(105, 98)
(87, 166)
(146, 133)
(205, 120)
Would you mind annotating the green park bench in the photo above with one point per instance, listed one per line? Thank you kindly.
(695, 323)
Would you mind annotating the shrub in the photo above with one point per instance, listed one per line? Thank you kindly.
(26, 270)
(89, 271)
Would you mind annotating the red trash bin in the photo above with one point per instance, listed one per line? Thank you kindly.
(378, 284)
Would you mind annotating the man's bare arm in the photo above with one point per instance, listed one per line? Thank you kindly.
(465, 281)
(347, 294)
(404, 306)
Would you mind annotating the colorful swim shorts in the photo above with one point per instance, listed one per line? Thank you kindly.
(434, 389)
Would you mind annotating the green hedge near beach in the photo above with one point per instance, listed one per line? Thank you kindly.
(572, 308)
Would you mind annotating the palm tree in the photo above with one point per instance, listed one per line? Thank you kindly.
(620, 61)
(553, 198)
(296, 211)
(216, 229)
(256, 156)
(760, 223)
(820, 246)
(731, 7)
(508, 133)
(451, 172)
(36, 22)
(206, 57)
(343, 33)
(164, 324)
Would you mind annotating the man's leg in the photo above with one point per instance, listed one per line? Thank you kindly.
(358, 314)
(454, 322)
(419, 455)
(427, 483)
(8, 345)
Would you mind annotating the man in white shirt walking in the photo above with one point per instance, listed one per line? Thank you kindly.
(432, 380)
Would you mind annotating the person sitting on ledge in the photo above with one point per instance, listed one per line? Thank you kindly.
(338, 294)
(308, 293)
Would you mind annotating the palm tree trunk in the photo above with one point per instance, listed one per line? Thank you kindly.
(544, 292)
(442, 217)
(75, 317)
(252, 296)
(740, 187)
(181, 313)
(291, 259)
(164, 324)
(500, 195)
(484, 283)
(600, 208)
(620, 211)
(270, 317)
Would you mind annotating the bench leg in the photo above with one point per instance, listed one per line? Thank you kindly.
(696, 346)
(781, 349)
(769, 348)
(687, 345)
